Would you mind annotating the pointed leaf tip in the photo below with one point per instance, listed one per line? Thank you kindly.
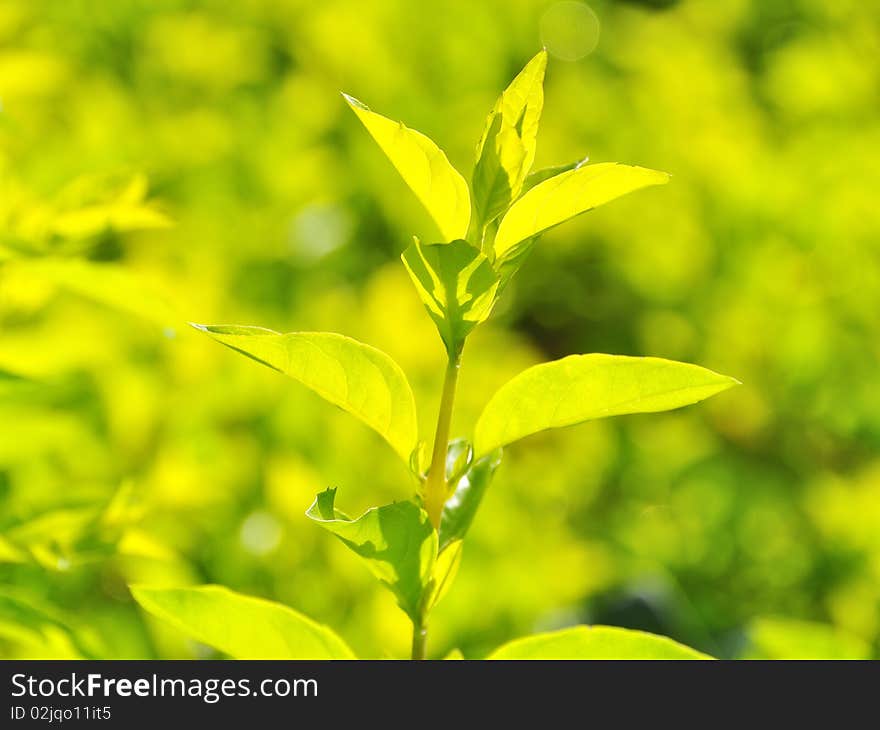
(353, 102)
(424, 167)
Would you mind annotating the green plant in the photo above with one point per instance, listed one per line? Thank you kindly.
(414, 547)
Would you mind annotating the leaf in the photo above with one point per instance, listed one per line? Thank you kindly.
(583, 387)
(356, 377)
(461, 507)
(459, 456)
(424, 167)
(241, 626)
(443, 575)
(596, 642)
(509, 265)
(397, 541)
(506, 149)
(90, 205)
(457, 285)
(566, 195)
(539, 176)
(120, 217)
(111, 285)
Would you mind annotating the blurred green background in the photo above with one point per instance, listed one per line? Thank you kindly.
(172, 160)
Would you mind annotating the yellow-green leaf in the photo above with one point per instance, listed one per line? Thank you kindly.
(356, 377)
(241, 626)
(584, 387)
(545, 173)
(397, 542)
(444, 572)
(108, 284)
(424, 167)
(457, 285)
(596, 642)
(566, 195)
(506, 149)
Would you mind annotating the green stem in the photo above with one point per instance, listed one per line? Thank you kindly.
(435, 484)
(419, 640)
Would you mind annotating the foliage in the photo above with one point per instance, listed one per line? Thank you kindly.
(404, 543)
(132, 452)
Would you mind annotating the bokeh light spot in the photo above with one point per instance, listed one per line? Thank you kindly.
(570, 30)
(260, 533)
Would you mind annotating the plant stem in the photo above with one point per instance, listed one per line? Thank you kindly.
(419, 640)
(435, 484)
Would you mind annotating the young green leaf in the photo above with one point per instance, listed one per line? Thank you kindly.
(25, 620)
(457, 285)
(356, 377)
(596, 642)
(424, 167)
(545, 173)
(506, 149)
(584, 387)
(461, 507)
(107, 284)
(241, 626)
(459, 457)
(397, 542)
(445, 570)
(567, 195)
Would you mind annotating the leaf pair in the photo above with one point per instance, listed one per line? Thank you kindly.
(505, 154)
(459, 287)
(371, 386)
(251, 628)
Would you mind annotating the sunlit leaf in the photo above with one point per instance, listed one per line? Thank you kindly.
(457, 285)
(506, 149)
(444, 572)
(241, 626)
(566, 195)
(397, 542)
(584, 387)
(108, 284)
(461, 507)
(90, 205)
(596, 642)
(356, 377)
(459, 456)
(120, 217)
(545, 173)
(424, 167)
